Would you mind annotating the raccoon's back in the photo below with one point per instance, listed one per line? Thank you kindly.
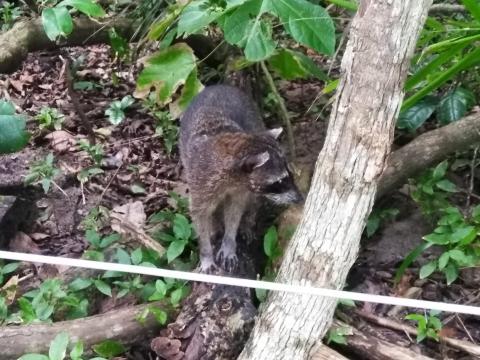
(219, 108)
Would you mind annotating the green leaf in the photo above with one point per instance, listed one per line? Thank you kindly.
(77, 351)
(454, 105)
(458, 255)
(410, 258)
(80, 284)
(308, 24)
(446, 185)
(176, 296)
(292, 65)
(270, 243)
(33, 357)
(259, 44)
(438, 239)
(428, 269)
(93, 237)
(9, 268)
(474, 7)
(166, 70)
(136, 256)
(440, 170)
(373, 223)
(57, 22)
(109, 348)
(464, 235)
(451, 272)
(443, 260)
(181, 227)
(109, 240)
(88, 7)
(58, 347)
(122, 256)
(175, 249)
(192, 87)
(414, 117)
(103, 287)
(195, 17)
(13, 136)
(159, 314)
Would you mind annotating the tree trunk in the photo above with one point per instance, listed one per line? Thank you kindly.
(324, 247)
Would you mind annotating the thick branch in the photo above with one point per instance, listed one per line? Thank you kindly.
(27, 36)
(427, 150)
(446, 9)
(120, 324)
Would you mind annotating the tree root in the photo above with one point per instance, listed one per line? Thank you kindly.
(27, 36)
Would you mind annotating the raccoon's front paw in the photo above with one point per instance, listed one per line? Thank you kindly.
(208, 266)
(227, 258)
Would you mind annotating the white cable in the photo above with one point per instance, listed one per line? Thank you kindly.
(224, 280)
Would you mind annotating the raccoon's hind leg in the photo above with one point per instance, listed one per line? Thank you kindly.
(234, 208)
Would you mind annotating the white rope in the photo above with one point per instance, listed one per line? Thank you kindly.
(225, 280)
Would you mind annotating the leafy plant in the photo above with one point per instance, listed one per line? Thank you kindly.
(118, 44)
(94, 151)
(109, 349)
(338, 335)
(7, 269)
(42, 172)
(50, 118)
(166, 126)
(8, 14)
(428, 325)
(273, 251)
(13, 136)
(57, 21)
(116, 110)
(58, 350)
(98, 244)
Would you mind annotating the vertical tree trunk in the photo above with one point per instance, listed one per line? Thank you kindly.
(325, 245)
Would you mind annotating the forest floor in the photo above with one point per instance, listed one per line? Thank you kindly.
(137, 167)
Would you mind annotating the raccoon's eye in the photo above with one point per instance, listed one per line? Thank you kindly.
(275, 188)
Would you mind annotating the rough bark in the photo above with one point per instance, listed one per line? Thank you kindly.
(427, 150)
(27, 36)
(120, 324)
(324, 247)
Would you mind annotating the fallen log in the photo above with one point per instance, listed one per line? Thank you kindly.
(27, 36)
(121, 325)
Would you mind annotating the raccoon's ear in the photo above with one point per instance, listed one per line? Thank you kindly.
(254, 161)
(275, 133)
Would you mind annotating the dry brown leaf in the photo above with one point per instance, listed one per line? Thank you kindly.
(9, 289)
(129, 219)
(61, 141)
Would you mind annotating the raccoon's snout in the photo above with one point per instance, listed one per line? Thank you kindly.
(289, 197)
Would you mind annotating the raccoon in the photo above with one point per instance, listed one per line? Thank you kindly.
(230, 159)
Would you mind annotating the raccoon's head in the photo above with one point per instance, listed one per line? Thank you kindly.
(268, 172)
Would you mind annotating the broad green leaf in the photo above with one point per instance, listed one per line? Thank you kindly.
(454, 105)
(309, 24)
(13, 136)
(57, 22)
(109, 349)
(428, 269)
(458, 255)
(463, 233)
(410, 258)
(136, 256)
(93, 237)
(446, 185)
(414, 117)
(443, 260)
(123, 257)
(192, 87)
(88, 7)
(440, 170)
(181, 227)
(451, 272)
(270, 242)
(292, 65)
(58, 347)
(33, 357)
(259, 44)
(103, 287)
(175, 249)
(474, 7)
(158, 29)
(176, 296)
(77, 351)
(196, 16)
(11, 267)
(159, 314)
(166, 70)
(236, 24)
(438, 239)
(80, 284)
